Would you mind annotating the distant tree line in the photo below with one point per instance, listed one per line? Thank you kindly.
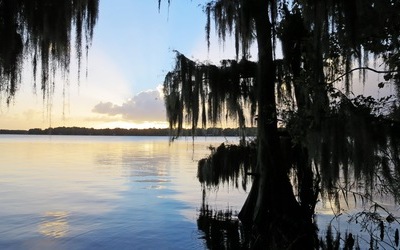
(129, 132)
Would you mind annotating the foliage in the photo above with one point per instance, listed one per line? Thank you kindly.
(42, 31)
(355, 142)
(227, 163)
(320, 42)
(198, 92)
(335, 138)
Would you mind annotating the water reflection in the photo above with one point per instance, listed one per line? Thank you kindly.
(222, 229)
(360, 226)
(100, 192)
(54, 224)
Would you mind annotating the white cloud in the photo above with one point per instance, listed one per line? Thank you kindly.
(147, 106)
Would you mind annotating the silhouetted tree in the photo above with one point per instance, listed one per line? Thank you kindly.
(328, 134)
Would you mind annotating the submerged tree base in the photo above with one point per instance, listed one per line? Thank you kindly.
(232, 163)
(223, 230)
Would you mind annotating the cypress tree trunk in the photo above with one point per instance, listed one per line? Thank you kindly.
(271, 207)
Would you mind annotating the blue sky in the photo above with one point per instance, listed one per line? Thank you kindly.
(132, 50)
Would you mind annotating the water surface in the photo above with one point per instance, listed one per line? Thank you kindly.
(94, 192)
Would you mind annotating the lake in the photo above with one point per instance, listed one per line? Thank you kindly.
(98, 192)
(115, 192)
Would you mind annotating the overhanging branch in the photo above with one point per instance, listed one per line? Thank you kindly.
(363, 68)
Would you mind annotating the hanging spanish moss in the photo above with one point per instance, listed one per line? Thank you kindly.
(232, 18)
(41, 30)
(355, 150)
(353, 143)
(349, 139)
(342, 142)
(222, 229)
(198, 92)
(228, 164)
(339, 144)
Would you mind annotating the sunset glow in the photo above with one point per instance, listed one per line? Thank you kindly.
(131, 53)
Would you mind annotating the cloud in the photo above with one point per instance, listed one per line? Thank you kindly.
(147, 106)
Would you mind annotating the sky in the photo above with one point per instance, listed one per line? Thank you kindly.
(132, 50)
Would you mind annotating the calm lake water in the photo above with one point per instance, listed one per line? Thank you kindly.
(94, 192)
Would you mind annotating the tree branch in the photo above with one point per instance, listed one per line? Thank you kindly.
(363, 68)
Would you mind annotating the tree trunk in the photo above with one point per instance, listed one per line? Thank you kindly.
(271, 207)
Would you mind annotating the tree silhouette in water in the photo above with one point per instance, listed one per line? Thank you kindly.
(329, 139)
(310, 131)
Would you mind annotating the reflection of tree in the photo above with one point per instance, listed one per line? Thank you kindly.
(334, 137)
(378, 229)
(221, 229)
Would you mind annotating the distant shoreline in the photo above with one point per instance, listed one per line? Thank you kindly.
(129, 132)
